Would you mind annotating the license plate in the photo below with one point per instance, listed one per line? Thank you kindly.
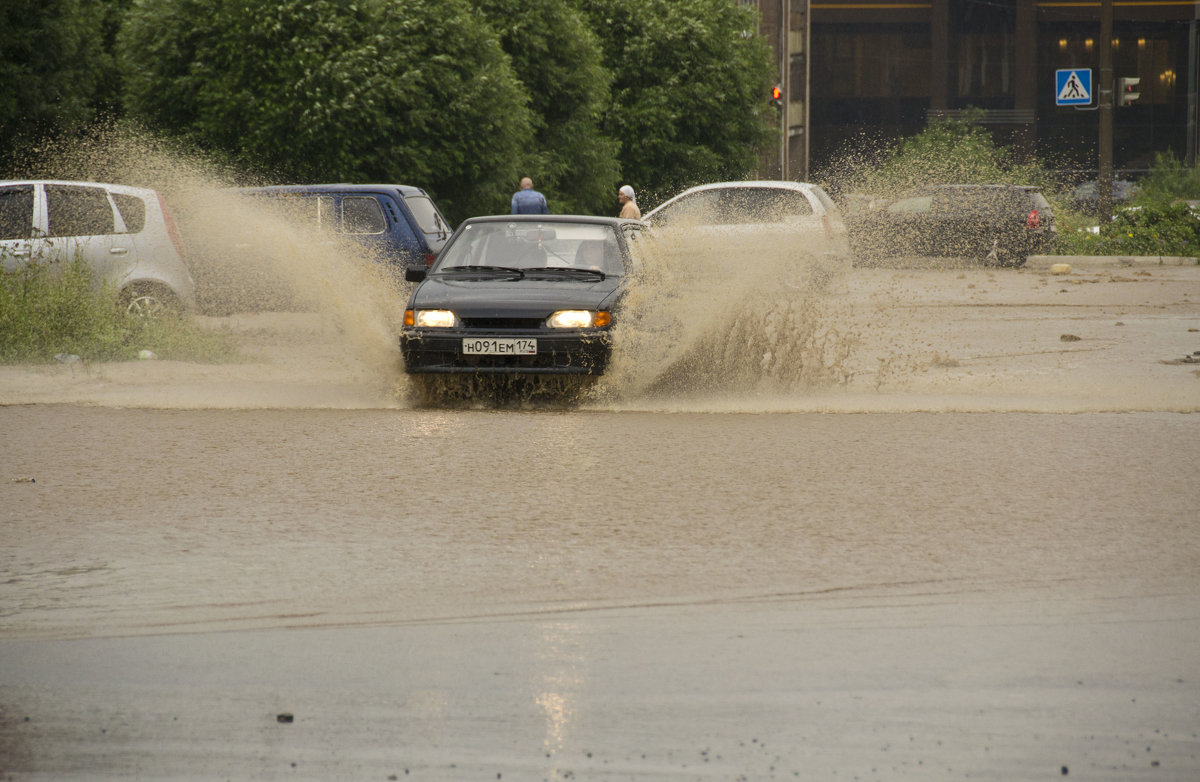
(479, 346)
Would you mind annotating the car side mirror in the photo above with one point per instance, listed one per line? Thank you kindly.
(415, 273)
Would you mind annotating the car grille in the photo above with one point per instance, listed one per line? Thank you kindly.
(504, 324)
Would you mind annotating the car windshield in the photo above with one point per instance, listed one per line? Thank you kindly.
(532, 245)
(761, 205)
(735, 206)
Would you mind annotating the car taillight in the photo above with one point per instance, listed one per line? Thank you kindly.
(429, 259)
(172, 229)
(828, 225)
(1034, 220)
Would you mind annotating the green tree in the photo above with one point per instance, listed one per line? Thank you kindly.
(408, 91)
(51, 66)
(558, 60)
(690, 80)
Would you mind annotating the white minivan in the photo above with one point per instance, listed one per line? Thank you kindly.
(125, 234)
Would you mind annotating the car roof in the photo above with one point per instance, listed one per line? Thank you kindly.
(984, 187)
(594, 219)
(334, 188)
(781, 184)
(82, 183)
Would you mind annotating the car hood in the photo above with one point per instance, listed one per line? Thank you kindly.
(529, 297)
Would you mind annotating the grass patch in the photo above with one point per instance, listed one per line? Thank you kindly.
(47, 312)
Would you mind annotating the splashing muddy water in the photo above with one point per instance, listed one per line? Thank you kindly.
(735, 322)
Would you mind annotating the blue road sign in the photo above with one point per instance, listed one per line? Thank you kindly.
(1073, 87)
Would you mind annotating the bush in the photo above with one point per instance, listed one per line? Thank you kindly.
(1156, 222)
(951, 152)
(1152, 229)
(1169, 180)
(47, 312)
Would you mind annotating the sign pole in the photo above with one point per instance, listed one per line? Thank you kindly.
(1105, 87)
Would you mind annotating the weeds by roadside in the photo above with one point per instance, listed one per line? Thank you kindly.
(47, 312)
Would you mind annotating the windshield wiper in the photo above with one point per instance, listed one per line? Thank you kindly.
(501, 269)
(568, 269)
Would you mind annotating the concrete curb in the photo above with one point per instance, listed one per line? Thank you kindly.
(1117, 261)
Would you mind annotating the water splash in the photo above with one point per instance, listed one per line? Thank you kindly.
(719, 314)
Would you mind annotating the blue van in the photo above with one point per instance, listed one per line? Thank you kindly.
(399, 224)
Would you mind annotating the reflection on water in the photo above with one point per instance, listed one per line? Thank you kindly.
(560, 660)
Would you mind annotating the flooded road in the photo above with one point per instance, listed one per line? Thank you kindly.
(968, 547)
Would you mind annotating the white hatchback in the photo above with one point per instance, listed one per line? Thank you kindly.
(755, 208)
(125, 235)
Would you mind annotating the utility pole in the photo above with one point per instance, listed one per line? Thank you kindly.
(785, 71)
(785, 26)
(1105, 174)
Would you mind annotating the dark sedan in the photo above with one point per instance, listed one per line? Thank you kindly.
(998, 224)
(520, 295)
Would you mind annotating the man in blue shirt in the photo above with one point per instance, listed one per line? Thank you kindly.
(528, 201)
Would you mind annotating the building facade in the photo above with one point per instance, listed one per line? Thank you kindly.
(870, 71)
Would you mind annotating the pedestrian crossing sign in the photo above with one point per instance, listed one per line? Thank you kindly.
(1073, 86)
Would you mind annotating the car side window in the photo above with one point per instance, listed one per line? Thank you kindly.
(16, 212)
(362, 215)
(632, 236)
(133, 212)
(428, 218)
(828, 203)
(698, 208)
(78, 211)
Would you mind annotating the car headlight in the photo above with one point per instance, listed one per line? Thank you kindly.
(430, 319)
(579, 319)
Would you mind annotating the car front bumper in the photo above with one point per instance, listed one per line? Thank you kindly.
(440, 351)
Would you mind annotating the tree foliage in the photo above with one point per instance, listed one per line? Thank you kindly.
(690, 80)
(406, 91)
(558, 60)
(51, 66)
(462, 97)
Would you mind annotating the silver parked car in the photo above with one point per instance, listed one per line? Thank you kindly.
(738, 210)
(125, 234)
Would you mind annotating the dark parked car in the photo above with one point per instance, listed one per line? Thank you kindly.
(261, 248)
(520, 295)
(1086, 197)
(399, 224)
(998, 224)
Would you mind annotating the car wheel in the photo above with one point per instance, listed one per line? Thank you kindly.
(147, 300)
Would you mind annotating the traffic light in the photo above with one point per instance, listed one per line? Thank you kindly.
(1127, 90)
(777, 96)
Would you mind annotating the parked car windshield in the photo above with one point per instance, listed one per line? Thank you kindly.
(531, 245)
